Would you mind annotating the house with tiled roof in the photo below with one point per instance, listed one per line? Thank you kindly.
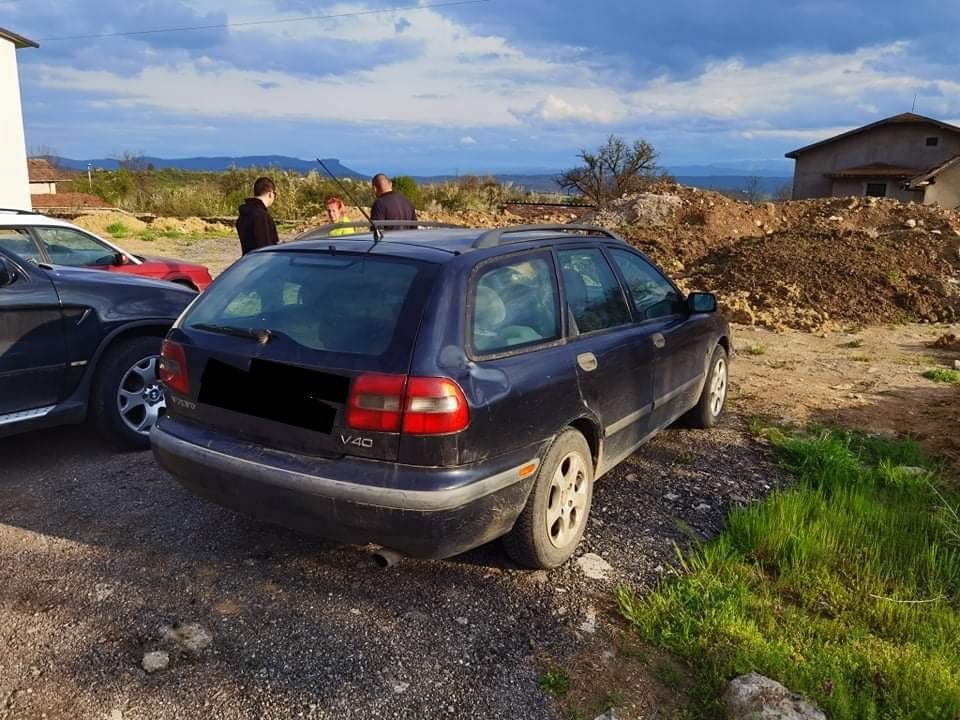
(44, 176)
(907, 156)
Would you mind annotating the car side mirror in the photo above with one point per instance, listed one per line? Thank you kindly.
(8, 273)
(702, 302)
(119, 259)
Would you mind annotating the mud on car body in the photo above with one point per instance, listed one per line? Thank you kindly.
(435, 390)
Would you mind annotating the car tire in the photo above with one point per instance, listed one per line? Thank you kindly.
(709, 408)
(553, 520)
(128, 367)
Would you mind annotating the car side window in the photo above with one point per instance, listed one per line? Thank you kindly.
(653, 295)
(515, 305)
(66, 246)
(19, 242)
(592, 290)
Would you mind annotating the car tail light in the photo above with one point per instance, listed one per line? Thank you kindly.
(415, 405)
(173, 367)
(434, 406)
(376, 402)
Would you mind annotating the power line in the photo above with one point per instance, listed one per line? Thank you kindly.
(276, 21)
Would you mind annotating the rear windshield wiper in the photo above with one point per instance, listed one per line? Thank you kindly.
(261, 335)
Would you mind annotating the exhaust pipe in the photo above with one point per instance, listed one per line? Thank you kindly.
(385, 558)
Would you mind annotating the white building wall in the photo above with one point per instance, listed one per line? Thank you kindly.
(14, 181)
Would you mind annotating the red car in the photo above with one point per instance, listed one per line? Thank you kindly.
(57, 242)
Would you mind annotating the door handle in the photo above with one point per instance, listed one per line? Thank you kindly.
(587, 361)
(658, 340)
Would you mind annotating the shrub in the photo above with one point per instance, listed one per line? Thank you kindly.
(942, 375)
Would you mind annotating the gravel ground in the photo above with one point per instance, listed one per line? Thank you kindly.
(103, 557)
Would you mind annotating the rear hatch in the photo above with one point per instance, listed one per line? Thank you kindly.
(269, 353)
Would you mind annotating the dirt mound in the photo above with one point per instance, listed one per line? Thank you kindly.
(472, 218)
(814, 278)
(189, 225)
(949, 341)
(99, 222)
(466, 218)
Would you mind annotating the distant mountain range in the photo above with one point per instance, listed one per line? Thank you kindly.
(216, 164)
(733, 177)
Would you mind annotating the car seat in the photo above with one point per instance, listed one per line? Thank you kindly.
(576, 294)
(489, 312)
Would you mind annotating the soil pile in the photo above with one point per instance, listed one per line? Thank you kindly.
(806, 264)
(187, 226)
(948, 341)
(814, 279)
(99, 222)
(839, 261)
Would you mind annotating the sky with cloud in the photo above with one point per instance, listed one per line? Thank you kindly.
(491, 85)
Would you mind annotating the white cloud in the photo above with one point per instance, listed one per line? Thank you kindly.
(729, 89)
(467, 140)
(466, 79)
(555, 109)
(458, 77)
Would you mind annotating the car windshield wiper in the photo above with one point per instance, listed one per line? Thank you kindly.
(261, 335)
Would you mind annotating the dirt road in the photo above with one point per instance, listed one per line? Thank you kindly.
(100, 552)
(103, 557)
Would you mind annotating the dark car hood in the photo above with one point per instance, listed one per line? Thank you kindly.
(119, 297)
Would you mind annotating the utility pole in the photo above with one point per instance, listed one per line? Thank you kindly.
(89, 176)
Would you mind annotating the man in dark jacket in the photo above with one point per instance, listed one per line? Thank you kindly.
(255, 226)
(390, 205)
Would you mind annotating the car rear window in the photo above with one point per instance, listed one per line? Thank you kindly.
(343, 304)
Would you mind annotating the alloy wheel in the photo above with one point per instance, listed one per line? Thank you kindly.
(718, 387)
(567, 500)
(140, 398)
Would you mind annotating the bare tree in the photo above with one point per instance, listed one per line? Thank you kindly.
(131, 161)
(753, 190)
(46, 152)
(616, 169)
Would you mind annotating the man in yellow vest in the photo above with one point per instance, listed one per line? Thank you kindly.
(336, 214)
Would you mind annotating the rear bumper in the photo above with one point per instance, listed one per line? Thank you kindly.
(423, 512)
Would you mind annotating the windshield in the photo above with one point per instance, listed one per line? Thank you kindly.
(344, 304)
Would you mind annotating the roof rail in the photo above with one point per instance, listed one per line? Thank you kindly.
(492, 238)
(19, 211)
(364, 227)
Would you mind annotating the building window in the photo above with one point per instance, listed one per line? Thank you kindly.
(876, 190)
(933, 141)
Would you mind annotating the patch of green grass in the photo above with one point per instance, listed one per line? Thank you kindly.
(555, 682)
(614, 699)
(855, 343)
(845, 587)
(942, 375)
(754, 349)
(118, 230)
(683, 458)
(777, 364)
(894, 277)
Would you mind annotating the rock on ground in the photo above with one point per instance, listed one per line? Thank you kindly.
(191, 637)
(755, 697)
(594, 566)
(155, 661)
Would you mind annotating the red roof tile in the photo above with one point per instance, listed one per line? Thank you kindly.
(45, 201)
(40, 170)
